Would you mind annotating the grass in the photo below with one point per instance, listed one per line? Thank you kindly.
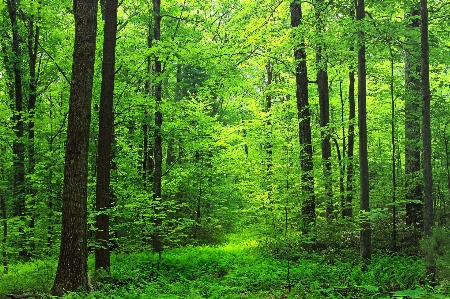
(235, 270)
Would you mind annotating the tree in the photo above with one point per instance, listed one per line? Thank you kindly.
(428, 216)
(412, 127)
(71, 273)
(347, 211)
(365, 243)
(16, 95)
(105, 137)
(158, 151)
(304, 117)
(324, 102)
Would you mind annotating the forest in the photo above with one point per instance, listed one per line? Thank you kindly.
(224, 149)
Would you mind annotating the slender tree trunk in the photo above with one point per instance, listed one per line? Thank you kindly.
(157, 152)
(365, 243)
(348, 210)
(413, 132)
(394, 171)
(304, 116)
(428, 217)
(71, 274)
(338, 153)
(32, 45)
(324, 103)
(18, 145)
(5, 234)
(105, 138)
(148, 160)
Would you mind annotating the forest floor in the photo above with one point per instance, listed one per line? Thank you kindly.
(237, 269)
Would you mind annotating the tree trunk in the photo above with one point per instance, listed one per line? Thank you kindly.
(428, 217)
(105, 138)
(394, 154)
(18, 145)
(157, 152)
(5, 234)
(304, 116)
(32, 45)
(412, 132)
(365, 243)
(71, 274)
(347, 211)
(324, 103)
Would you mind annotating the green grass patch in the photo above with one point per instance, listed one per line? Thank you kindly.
(233, 271)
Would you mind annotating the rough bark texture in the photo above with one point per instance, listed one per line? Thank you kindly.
(304, 117)
(365, 243)
(428, 217)
(71, 274)
(412, 129)
(105, 138)
(157, 152)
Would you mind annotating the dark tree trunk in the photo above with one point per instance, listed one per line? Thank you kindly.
(157, 152)
(428, 216)
(394, 155)
(268, 142)
(71, 274)
(347, 211)
(5, 234)
(304, 116)
(324, 102)
(32, 45)
(413, 132)
(18, 145)
(148, 161)
(105, 138)
(365, 243)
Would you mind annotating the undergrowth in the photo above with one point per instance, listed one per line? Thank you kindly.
(233, 271)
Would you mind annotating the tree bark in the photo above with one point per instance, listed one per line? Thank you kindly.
(18, 145)
(71, 274)
(428, 217)
(347, 211)
(412, 131)
(105, 138)
(157, 152)
(365, 233)
(304, 117)
(324, 103)
(393, 157)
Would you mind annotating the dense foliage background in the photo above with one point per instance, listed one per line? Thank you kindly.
(234, 217)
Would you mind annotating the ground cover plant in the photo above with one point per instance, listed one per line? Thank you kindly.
(235, 270)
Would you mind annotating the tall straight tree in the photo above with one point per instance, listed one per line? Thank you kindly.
(347, 210)
(412, 126)
(428, 217)
(365, 244)
(102, 203)
(17, 98)
(71, 274)
(304, 117)
(157, 152)
(324, 103)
